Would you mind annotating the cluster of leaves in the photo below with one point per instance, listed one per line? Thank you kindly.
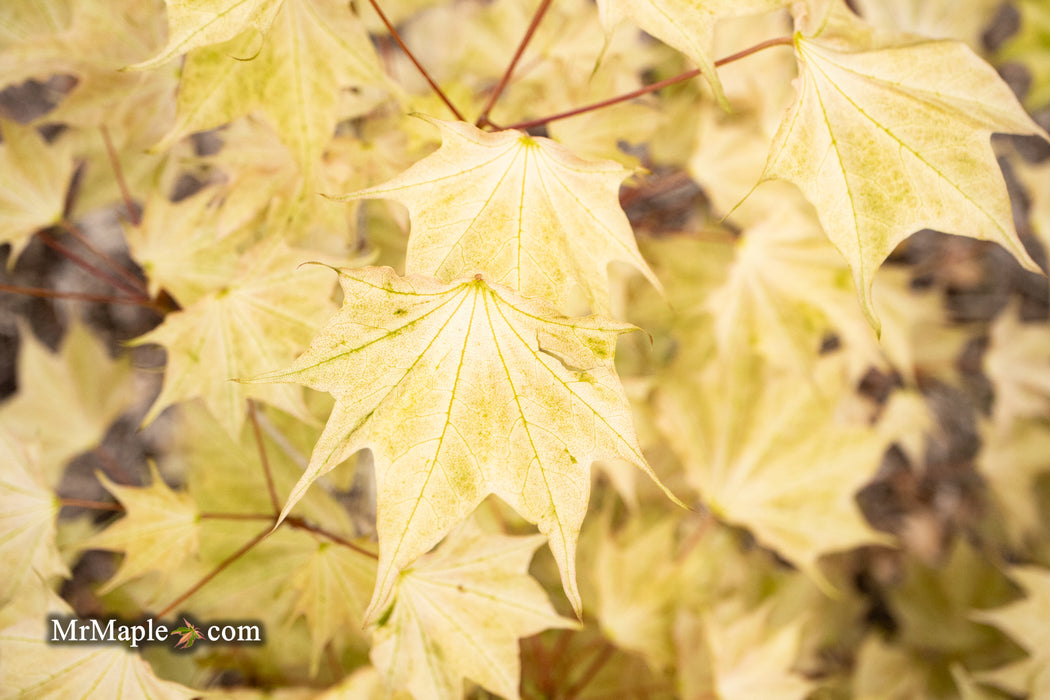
(478, 373)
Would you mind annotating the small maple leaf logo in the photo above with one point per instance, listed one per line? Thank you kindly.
(189, 634)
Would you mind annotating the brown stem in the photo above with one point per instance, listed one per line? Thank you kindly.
(263, 458)
(483, 120)
(681, 77)
(102, 255)
(215, 572)
(297, 522)
(76, 296)
(118, 172)
(293, 521)
(420, 68)
(76, 259)
(95, 505)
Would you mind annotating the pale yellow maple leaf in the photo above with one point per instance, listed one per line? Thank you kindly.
(94, 389)
(459, 612)
(765, 451)
(158, 532)
(461, 390)
(1018, 364)
(1013, 457)
(266, 314)
(178, 248)
(884, 145)
(28, 508)
(292, 63)
(34, 669)
(746, 656)
(331, 592)
(525, 212)
(934, 19)
(33, 181)
(684, 24)
(1025, 621)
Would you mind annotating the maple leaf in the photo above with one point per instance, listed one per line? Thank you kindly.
(331, 589)
(189, 634)
(883, 145)
(1012, 459)
(1025, 621)
(264, 315)
(33, 182)
(28, 509)
(158, 532)
(935, 19)
(291, 58)
(459, 612)
(461, 390)
(766, 452)
(94, 390)
(34, 669)
(1018, 363)
(686, 25)
(522, 211)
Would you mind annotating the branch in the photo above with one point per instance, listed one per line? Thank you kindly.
(263, 458)
(52, 243)
(483, 120)
(681, 77)
(102, 255)
(215, 572)
(77, 296)
(420, 68)
(81, 503)
(129, 203)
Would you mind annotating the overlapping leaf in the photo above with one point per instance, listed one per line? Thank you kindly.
(266, 314)
(687, 26)
(884, 145)
(157, 533)
(523, 211)
(290, 58)
(459, 614)
(765, 451)
(461, 390)
(33, 182)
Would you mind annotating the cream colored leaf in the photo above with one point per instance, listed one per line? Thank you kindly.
(158, 532)
(1013, 457)
(883, 144)
(1025, 621)
(766, 451)
(265, 315)
(1031, 47)
(459, 612)
(523, 211)
(313, 52)
(94, 390)
(331, 592)
(33, 181)
(1018, 364)
(196, 23)
(28, 509)
(33, 669)
(688, 26)
(934, 19)
(461, 390)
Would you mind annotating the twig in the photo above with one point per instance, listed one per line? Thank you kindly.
(95, 505)
(102, 255)
(420, 68)
(263, 458)
(76, 296)
(50, 242)
(118, 172)
(681, 77)
(297, 522)
(483, 120)
(215, 572)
